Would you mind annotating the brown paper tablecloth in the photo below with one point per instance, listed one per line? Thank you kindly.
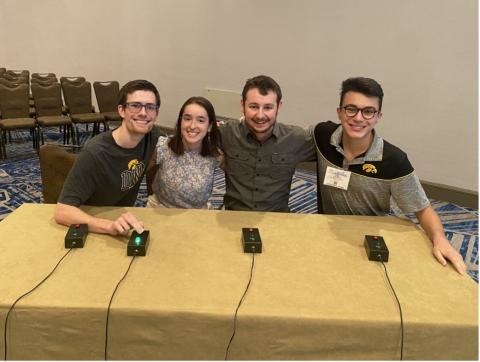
(314, 294)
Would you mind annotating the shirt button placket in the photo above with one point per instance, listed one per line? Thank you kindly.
(255, 181)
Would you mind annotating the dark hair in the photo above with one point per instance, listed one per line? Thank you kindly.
(264, 84)
(367, 86)
(137, 85)
(209, 142)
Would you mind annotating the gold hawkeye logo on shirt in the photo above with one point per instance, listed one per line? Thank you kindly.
(133, 164)
(133, 175)
(369, 168)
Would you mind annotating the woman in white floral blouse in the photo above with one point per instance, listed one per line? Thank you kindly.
(187, 159)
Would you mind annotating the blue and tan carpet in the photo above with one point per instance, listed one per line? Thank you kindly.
(20, 182)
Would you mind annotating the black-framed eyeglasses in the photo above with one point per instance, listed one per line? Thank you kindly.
(136, 107)
(367, 112)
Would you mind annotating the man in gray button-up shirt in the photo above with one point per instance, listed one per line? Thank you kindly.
(261, 154)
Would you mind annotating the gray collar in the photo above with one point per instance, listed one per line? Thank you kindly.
(374, 153)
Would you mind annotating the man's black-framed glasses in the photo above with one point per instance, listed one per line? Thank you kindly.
(367, 112)
(136, 107)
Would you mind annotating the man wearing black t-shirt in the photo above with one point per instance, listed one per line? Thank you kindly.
(110, 168)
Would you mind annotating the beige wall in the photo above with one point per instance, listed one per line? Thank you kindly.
(423, 52)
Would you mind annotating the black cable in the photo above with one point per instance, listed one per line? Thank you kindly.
(399, 307)
(110, 303)
(27, 293)
(238, 307)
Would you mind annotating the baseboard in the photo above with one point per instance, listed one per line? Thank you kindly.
(456, 195)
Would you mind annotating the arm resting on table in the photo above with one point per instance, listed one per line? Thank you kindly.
(67, 215)
(442, 249)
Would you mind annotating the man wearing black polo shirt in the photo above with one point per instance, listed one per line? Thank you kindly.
(358, 171)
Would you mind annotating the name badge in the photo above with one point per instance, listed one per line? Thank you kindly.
(337, 178)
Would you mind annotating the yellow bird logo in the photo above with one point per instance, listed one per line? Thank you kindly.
(369, 168)
(132, 164)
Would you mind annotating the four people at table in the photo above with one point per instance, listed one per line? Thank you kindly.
(358, 171)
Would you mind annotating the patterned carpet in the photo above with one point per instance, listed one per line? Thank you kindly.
(20, 182)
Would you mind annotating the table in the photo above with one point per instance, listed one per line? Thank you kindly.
(314, 294)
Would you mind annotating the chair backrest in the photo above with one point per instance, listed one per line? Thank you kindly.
(12, 79)
(48, 99)
(14, 101)
(44, 81)
(16, 74)
(23, 73)
(73, 80)
(11, 83)
(43, 75)
(55, 164)
(152, 169)
(78, 97)
(107, 95)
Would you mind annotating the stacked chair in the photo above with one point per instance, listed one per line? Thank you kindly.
(17, 76)
(37, 103)
(78, 98)
(41, 78)
(15, 113)
(49, 109)
(107, 100)
(13, 77)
